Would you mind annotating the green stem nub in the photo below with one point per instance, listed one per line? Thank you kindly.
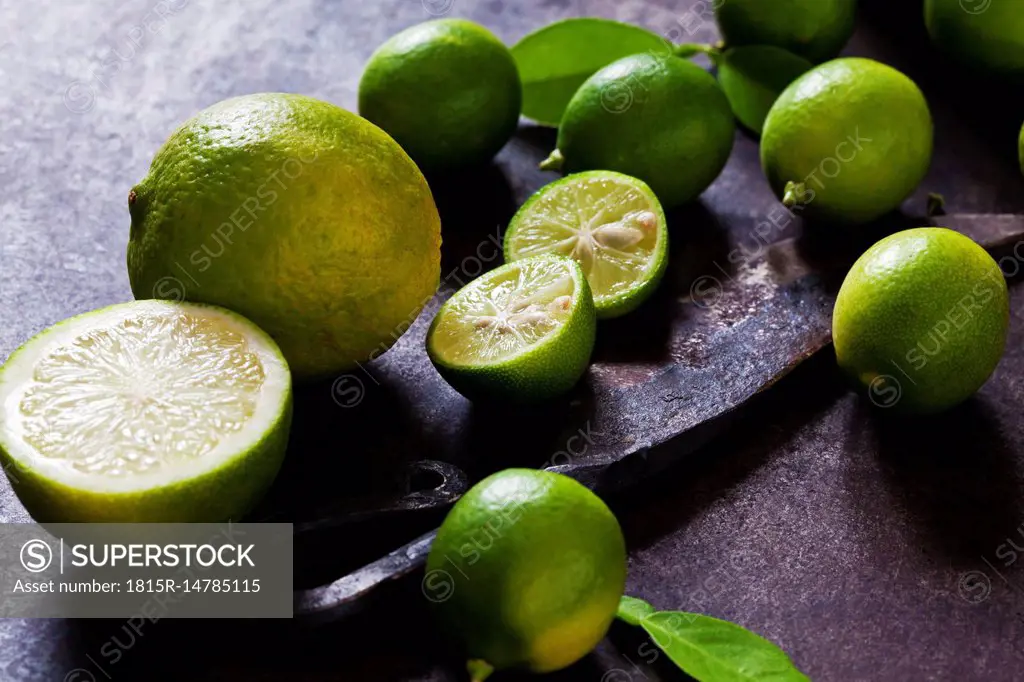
(687, 50)
(936, 204)
(479, 670)
(553, 162)
(793, 195)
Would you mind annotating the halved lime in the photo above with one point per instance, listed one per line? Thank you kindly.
(611, 223)
(522, 332)
(150, 411)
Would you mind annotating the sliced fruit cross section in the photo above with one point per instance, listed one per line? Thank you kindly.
(524, 331)
(145, 411)
(610, 223)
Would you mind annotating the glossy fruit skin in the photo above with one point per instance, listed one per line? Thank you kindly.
(299, 215)
(527, 570)
(814, 29)
(921, 320)
(661, 119)
(986, 34)
(858, 134)
(545, 371)
(448, 91)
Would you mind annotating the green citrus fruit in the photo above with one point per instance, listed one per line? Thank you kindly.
(527, 570)
(522, 332)
(848, 141)
(150, 411)
(921, 320)
(754, 76)
(985, 33)
(448, 91)
(661, 119)
(815, 29)
(610, 223)
(1020, 147)
(299, 215)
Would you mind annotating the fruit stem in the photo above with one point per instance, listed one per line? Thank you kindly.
(936, 204)
(479, 670)
(793, 195)
(686, 50)
(553, 162)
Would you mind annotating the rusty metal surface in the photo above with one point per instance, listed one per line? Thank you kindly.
(814, 580)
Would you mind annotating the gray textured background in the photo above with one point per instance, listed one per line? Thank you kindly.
(866, 548)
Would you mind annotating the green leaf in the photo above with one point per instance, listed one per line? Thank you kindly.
(633, 610)
(713, 650)
(554, 61)
(754, 76)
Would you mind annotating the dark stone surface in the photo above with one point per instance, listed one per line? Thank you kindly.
(862, 545)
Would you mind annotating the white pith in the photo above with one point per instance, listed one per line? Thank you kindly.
(506, 312)
(139, 396)
(608, 225)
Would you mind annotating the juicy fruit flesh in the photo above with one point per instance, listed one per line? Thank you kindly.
(500, 316)
(610, 228)
(142, 395)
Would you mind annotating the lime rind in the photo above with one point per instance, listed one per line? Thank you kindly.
(522, 332)
(99, 415)
(612, 224)
(505, 315)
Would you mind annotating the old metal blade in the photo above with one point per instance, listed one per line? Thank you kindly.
(754, 325)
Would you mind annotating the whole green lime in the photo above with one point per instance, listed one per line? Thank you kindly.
(527, 571)
(848, 141)
(303, 217)
(988, 34)
(448, 91)
(814, 29)
(921, 320)
(661, 119)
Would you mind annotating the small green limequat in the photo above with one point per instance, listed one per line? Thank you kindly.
(987, 34)
(848, 141)
(448, 91)
(814, 29)
(527, 571)
(921, 320)
(658, 118)
(610, 223)
(522, 332)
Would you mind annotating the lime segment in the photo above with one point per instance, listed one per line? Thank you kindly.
(512, 311)
(524, 331)
(610, 223)
(145, 411)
